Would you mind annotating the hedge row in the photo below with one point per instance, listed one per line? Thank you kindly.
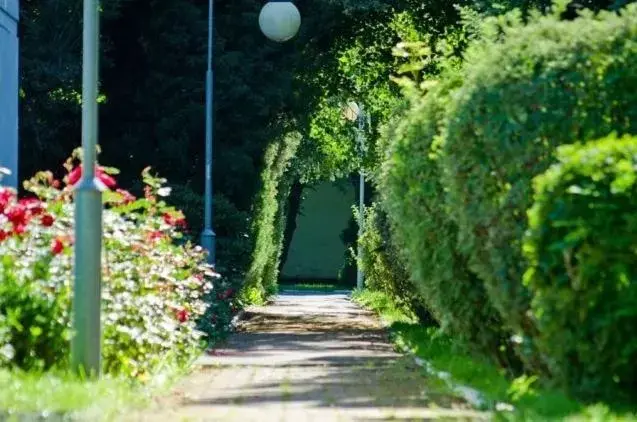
(384, 268)
(582, 274)
(269, 218)
(457, 184)
(412, 192)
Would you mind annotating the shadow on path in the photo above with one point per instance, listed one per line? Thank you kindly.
(308, 357)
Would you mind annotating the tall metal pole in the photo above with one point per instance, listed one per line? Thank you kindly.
(85, 346)
(361, 199)
(208, 235)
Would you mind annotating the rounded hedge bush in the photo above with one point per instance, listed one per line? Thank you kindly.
(582, 248)
(533, 88)
(415, 202)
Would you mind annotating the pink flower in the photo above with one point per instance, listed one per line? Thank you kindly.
(155, 235)
(148, 193)
(127, 196)
(33, 205)
(5, 198)
(19, 229)
(105, 178)
(75, 175)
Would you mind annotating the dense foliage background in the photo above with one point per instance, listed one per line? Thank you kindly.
(468, 103)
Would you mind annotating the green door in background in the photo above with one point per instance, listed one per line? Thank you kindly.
(316, 251)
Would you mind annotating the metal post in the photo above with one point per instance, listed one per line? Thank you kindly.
(9, 12)
(361, 199)
(208, 235)
(85, 346)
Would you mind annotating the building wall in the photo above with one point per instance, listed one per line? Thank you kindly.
(9, 89)
(316, 250)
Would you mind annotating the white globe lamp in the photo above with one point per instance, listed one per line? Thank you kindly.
(279, 20)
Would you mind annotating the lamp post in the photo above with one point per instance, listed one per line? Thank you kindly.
(85, 346)
(354, 112)
(279, 21)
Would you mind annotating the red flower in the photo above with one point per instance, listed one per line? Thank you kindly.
(33, 205)
(75, 175)
(19, 229)
(226, 294)
(17, 215)
(148, 194)
(127, 196)
(55, 184)
(5, 198)
(182, 315)
(155, 235)
(174, 221)
(3, 235)
(57, 246)
(47, 220)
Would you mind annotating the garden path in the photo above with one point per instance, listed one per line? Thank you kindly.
(307, 357)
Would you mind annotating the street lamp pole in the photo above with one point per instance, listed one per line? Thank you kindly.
(361, 199)
(279, 21)
(361, 117)
(85, 346)
(208, 236)
(355, 113)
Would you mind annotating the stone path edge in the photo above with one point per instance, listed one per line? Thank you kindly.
(473, 396)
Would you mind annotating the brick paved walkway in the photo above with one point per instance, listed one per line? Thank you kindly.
(307, 357)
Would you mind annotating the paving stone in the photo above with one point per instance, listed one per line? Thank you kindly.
(307, 357)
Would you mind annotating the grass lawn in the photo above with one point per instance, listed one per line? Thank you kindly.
(311, 286)
(529, 400)
(60, 396)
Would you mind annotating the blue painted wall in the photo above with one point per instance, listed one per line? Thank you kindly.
(9, 12)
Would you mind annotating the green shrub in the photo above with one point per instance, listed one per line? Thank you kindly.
(154, 282)
(230, 225)
(582, 249)
(415, 202)
(269, 216)
(384, 267)
(533, 88)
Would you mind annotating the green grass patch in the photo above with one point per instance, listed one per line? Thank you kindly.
(383, 305)
(63, 395)
(530, 401)
(314, 287)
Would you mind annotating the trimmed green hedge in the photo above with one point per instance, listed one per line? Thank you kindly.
(269, 219)
(532, 88)
(582, 249)
(415, 201)
(384, 267)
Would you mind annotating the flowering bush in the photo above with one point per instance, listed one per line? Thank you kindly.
(155, 289)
